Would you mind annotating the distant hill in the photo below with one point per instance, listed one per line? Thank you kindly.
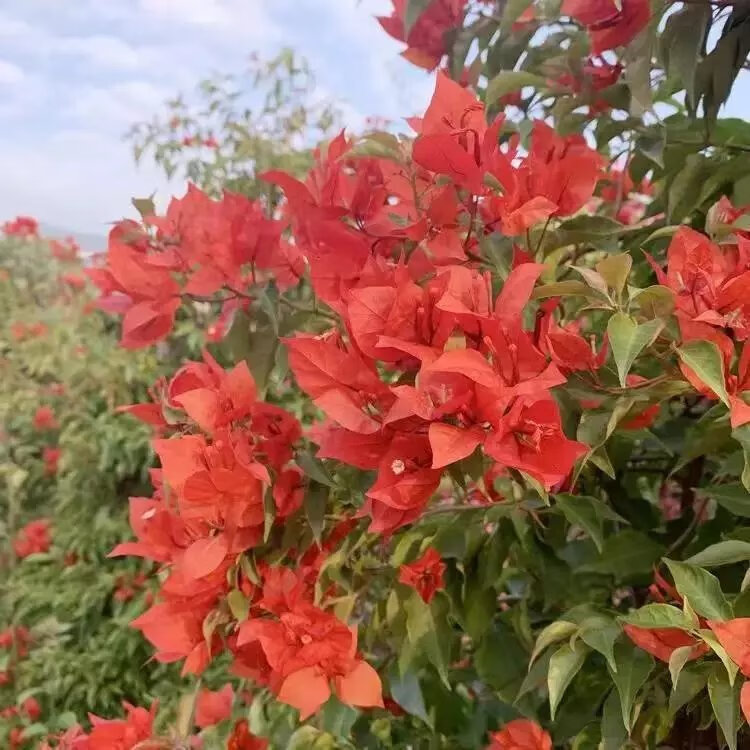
(88, 242)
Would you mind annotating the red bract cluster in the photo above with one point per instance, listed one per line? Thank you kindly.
(520, 734)
(609, 24)
(425, 575)
(33, 538)
(199, 247)
(426, 42)
(232, 452)
(711, 287)
(21, 226)
(434, 362)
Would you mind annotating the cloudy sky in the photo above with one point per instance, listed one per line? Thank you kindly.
(75, 75)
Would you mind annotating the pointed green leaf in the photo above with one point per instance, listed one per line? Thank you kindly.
(702, 589)
(601, 633)
(628, 339)
(553, 633)
(633, 668)
(563, 667)
(721, 553)
(587, 512)
(725, 703)
(657, 616)
(704, 359)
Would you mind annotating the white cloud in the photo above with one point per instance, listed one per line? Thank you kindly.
(102, 50)
(78, 179)
(116, 107)
(10, 74)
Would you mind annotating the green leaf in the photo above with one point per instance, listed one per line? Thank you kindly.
(657, 616)
(589, 513)
(725, 703)
(731, 668)
(479, 607)
(238, 605)
(512, 10)
(734, 497)
(412, 12)
(422, 633)
(704, 359)
(508, 81)
(567, 288)
(654, 301)
(677, 660)
(601, 633)
(625, 555)
(633, 668)
(563, 667)
(316, 500)
(721, 553)
(269, 514)
(407, 692)
(314, 468)
(690, 682)
(628, 340)
(614, 733)
(144, 206)
(701, 588)
(553, 633)
(681, 43)
(615, 270)
(742, 435)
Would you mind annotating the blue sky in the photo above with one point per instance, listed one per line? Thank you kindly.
(75, 75)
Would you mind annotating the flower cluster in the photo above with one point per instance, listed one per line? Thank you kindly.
(200, 247)
(435, 363)
(233, 451)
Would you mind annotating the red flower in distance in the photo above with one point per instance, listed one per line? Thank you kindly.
(51, 457)
(520, 734)
(425, 575)
(213, 707)
(45, 419)
(21, 226)
(33, 538)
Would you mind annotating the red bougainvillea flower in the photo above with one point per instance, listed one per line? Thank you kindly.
(21, 226)
(51, 457)
(520, 734)
(734, 636)
(609, 24)
(31, 708)
(426, 41)
(662, 642)
(596, 74)
(33, 538)
(122, 734)
(45, 419)
(213, 706)
(242, 739)
(308, 653)
(17, 637)
(530, 438)
(425, 574)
